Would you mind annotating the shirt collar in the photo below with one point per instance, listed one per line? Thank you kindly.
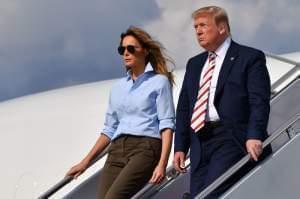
(148, 69)
(222, 50)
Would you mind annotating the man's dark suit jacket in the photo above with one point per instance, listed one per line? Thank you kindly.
(242, 98)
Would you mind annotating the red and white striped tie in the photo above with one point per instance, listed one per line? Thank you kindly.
(200, 108)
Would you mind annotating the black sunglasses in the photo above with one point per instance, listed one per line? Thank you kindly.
(129, 48)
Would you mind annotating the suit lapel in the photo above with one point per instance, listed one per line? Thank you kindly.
(198, 66)
(227, 65)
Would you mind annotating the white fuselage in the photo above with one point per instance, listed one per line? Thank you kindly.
(43, 135)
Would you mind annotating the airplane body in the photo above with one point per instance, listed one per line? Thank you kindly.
(44, 134)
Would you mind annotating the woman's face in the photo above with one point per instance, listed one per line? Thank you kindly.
(134, 55)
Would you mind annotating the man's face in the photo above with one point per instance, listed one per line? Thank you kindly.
(208, 33)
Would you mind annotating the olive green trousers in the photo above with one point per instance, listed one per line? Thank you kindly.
(129, 166)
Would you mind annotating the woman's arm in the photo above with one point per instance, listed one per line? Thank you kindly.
(99, 146)
(166, 117)
(160, 170)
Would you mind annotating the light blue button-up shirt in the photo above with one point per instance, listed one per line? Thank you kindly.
(142, 107)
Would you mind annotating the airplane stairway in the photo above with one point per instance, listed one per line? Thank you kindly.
(277, 174)
(277, 178)
(284, 124)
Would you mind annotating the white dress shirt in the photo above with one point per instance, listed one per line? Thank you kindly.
(211, 114)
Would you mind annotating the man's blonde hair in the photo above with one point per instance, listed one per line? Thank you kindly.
(218, 13)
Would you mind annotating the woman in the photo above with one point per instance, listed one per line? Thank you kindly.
(139, 121)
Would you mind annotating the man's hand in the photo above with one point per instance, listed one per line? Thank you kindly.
(178, 162)
(254, 148)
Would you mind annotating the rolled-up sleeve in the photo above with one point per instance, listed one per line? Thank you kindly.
(165, 106)
(111, 120)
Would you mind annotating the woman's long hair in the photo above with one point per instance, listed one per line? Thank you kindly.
(156, 55)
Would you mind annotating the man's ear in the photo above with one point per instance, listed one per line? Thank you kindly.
(222, 28)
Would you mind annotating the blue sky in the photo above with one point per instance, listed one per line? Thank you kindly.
(47, 44)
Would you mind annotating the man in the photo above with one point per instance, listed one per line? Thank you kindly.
(223, 106)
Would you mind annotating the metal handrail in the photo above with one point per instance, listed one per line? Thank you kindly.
(245, 159)
(295, 71)
(67, 179)
(223, 177)
(280, 58)
(285, 80)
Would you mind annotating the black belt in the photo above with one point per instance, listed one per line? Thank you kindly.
(213, 124)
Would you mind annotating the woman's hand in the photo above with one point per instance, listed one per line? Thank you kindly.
(159, 174)
(78, 169)
(102, 142)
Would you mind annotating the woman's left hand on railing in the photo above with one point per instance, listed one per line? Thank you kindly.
(158, 175)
